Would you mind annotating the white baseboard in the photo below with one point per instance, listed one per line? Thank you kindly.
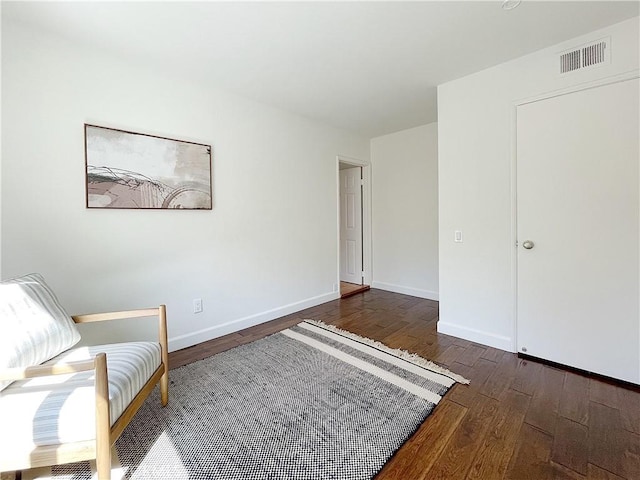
(190, 339)
(414, 292)
(484, 338)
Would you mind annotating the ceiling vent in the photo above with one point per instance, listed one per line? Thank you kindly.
(586, 56)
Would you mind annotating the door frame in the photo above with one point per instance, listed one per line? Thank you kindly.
(367, 264)
(513, 151)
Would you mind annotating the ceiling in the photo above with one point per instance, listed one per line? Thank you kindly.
(370, 67)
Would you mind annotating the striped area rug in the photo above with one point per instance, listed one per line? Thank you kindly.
(310, 402)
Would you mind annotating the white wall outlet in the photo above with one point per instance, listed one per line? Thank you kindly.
(457, 236)
(197, 305)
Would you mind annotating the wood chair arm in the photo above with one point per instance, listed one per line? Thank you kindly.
(101, 317)
(20, 373)
(161, 313)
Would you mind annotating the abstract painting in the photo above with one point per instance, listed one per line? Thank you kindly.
(135, 170)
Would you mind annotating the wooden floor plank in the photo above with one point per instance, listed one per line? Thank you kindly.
(596, 473)
(467, 394)
(492, 354)
(492, 459)
(611, 447)
(629, 406)
(603, 392)
(574, 401)
(501, 379)
(449, 355)
(571, 446)
(347, 289)
(531, 455)
(527, 376)
(471, 355)
(543, 411)
(419, 454)
(531, 459)
(460, 451)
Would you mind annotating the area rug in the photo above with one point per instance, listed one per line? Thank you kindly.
(310, 402)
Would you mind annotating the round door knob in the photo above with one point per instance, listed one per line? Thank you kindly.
(528, 244)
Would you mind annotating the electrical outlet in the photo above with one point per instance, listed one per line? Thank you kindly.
(197, 305)
(457, 236)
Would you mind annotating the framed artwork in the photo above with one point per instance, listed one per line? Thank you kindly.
(135, 170)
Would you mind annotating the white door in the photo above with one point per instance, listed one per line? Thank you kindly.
(578, 205)
(351, 225)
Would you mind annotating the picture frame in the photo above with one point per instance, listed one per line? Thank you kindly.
(131, 170)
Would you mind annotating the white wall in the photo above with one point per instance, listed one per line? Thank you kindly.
(405, 211)
(476, 125)
(266, 249)
(1, 95)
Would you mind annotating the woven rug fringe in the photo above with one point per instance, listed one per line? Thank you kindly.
(405, 355)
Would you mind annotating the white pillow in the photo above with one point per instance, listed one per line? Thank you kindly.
(33, 325)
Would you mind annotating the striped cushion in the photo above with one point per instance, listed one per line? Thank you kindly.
(34, 325)
(61, 408)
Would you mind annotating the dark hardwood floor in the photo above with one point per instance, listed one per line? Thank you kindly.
(349, 289)
(519, 419)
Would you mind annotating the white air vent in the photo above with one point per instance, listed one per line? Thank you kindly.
(586, 56)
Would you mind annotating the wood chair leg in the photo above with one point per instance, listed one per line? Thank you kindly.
(162, 329)
(164, 387)
(103, 466)
(103, 437)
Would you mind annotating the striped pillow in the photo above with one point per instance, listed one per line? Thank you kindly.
(33, 325)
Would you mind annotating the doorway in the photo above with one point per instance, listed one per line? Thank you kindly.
(354, 227)
(578, 230)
